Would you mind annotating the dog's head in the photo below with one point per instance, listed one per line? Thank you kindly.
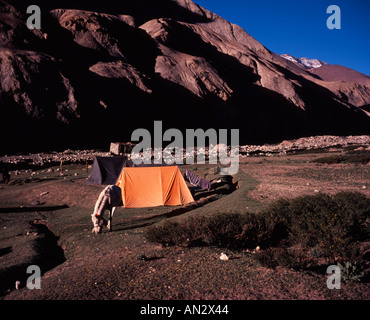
(98, 222)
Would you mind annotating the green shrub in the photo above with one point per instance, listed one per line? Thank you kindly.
(275, 256)
(330, 160)
(232, 230)
(329, 222)
(170, 233)
(351, 271)
(357, 156)
(295, 233)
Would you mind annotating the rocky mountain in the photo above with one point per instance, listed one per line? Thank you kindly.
(347, 84)
(97, 70)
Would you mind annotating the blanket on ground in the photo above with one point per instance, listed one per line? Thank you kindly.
(197, 181)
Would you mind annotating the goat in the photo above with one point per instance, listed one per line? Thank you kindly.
(109, 199)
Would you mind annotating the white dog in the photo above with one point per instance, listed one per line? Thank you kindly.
(109, 199)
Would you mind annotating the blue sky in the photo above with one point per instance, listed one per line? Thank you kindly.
(299, 27)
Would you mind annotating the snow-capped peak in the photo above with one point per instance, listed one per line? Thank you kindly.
(305, 62)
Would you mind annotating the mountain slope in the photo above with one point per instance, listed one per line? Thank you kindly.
(97, 70)
(347, 84)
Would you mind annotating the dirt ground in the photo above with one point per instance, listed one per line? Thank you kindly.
(45, 220)
(293, 176)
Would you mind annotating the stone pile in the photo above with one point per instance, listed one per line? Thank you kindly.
(286, 146)
(306, 143)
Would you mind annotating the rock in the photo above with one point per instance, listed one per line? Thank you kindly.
(23, 68)
(121, 70)
(224, 257)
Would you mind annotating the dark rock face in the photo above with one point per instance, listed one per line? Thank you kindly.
(97, 70)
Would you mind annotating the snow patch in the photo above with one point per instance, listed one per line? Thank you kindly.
(305, 62)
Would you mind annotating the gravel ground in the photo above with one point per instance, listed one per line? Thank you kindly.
(123, 265)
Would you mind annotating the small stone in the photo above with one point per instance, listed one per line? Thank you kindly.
(224, 257)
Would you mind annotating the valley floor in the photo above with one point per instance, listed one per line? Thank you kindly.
(78, 265)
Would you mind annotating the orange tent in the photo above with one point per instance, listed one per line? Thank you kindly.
(153, 186)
